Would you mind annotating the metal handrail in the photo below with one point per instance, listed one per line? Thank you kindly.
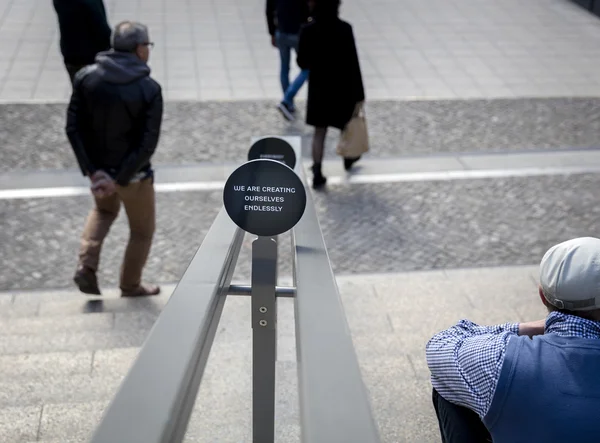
(334, 402)
(156, 398)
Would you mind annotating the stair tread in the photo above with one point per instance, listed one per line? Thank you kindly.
(224, 399)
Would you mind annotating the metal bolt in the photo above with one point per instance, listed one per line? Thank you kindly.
(262, 323)
(262, 310)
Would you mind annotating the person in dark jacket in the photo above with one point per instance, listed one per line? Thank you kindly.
(328, 51)
(84, 32)
(284, 19)
(113, 125)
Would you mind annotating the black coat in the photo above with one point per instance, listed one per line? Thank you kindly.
(286, 16)
(114, 117)
(328, 50)
(84, 30)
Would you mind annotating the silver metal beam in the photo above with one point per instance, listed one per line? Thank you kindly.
(155, 400)
(280, 291)
(334, 403)
(264, 338)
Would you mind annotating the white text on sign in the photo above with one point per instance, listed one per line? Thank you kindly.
(275, 190)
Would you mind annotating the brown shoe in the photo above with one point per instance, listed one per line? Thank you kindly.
(86, 281)
(142, 291)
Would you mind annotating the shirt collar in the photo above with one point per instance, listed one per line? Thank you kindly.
(571, 326)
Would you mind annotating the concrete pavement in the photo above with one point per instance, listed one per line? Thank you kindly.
(86, 347)
(211, 176)
(448, 49)
(217, 131)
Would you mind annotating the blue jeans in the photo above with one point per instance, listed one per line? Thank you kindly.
(285, 44)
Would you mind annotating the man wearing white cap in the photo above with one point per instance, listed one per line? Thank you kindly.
(528, 382)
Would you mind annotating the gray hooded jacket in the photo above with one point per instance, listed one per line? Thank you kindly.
(120, 67)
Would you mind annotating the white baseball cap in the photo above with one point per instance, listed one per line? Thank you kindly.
(570, 274)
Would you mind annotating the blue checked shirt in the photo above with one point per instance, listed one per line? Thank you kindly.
(465, 360)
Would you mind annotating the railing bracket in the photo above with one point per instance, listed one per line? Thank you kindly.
(280, 291)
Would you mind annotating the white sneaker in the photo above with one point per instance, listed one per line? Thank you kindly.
(285, 111)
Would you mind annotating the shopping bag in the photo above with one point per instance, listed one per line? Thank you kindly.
(354, 139)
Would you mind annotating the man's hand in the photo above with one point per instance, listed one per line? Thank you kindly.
(532, 328)
(102, 184)
(274, 41)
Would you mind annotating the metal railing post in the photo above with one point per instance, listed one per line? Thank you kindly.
(264, 338)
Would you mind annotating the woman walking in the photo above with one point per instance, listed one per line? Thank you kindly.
(328, 51)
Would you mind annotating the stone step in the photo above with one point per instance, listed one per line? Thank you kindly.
(128, 327)
(222, 411)
(70, 323)
(60, 304)
(391, 317)
(75, 423)
(48, 362)
(66, 341)
(87, 365)
(46, 366)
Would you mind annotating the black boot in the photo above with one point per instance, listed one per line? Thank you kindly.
(86, 281)
(318, 179)
(348, 162)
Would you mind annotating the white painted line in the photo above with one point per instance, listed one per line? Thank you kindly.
(461, 175)
(189, 186)
(15, 194)
(35, 101)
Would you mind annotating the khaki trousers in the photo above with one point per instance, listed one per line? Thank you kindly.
(138, 200)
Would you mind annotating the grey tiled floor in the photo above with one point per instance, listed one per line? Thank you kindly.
(209, 49)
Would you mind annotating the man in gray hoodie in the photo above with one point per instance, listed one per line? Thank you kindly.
(113, 125)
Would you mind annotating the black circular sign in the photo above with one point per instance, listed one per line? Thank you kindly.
(264, 197)
(273, 148)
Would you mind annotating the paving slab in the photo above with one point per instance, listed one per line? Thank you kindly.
(363, 309)
(42, 326)
(75, 388)
(402, 404)
(71, 420)
(70, 341)
(81, 440)
(206, 50)
(114, 361)
(36, 297)
(226, 403)
(9, 310)
(19, 424)
(222, 412)
(45, 366)
(58, 309)
(425, 301)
